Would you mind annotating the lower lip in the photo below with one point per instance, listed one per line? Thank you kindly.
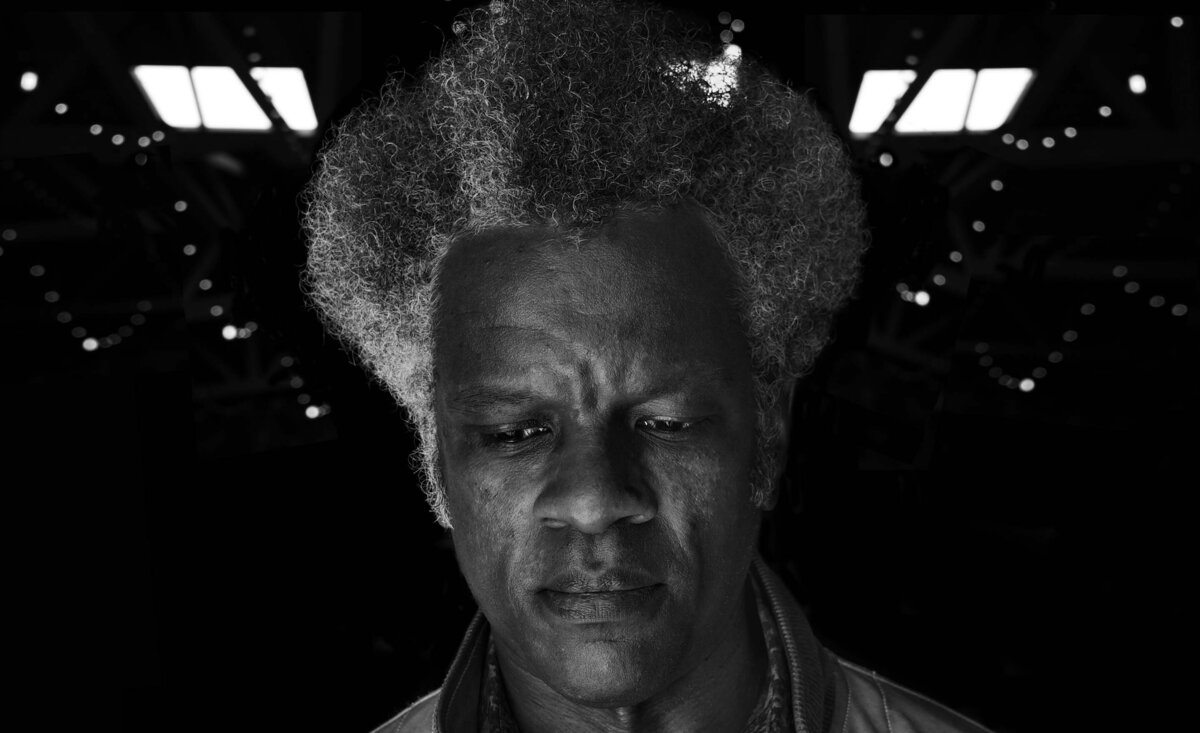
(584, 608)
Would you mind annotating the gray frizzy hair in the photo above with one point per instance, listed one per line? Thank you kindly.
(564, 114)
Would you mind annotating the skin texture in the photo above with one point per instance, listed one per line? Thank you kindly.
(596, 413)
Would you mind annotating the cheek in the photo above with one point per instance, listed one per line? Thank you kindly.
(704, 498)
(488, 521)
(705, 481)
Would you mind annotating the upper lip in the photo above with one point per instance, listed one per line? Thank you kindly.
(604, 582)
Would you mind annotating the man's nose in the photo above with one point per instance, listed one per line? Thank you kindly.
(594, 485)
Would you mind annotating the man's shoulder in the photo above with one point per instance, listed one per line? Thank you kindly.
(414, 718)
(874, 703)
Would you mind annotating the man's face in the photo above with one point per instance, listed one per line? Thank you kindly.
(596, 423)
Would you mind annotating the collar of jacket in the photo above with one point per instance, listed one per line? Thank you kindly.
(813, 679)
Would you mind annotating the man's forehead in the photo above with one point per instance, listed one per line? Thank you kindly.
(643, 304)
(495, 386)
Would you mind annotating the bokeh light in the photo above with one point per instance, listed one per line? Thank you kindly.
(90, 344)
(1087, 309)
(1027, 385)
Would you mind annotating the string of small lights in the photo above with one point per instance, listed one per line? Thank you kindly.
(998, 374)
(86, 335)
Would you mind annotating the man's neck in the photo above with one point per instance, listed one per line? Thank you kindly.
(716, 695)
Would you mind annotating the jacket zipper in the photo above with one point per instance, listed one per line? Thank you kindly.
(789, 642)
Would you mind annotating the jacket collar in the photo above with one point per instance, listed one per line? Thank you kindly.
(812, 683)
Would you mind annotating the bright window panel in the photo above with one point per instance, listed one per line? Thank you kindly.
(941, 105)
(225, 103)
(169, 89)
(877, 96)
(289, 94)
(997, 93)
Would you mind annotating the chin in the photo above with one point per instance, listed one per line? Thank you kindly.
(609, 674)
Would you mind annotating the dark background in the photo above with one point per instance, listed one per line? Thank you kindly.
(190, 550)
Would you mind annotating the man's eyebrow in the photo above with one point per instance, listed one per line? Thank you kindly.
(484, 397)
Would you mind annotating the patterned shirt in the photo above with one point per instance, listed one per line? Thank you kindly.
(772, 713)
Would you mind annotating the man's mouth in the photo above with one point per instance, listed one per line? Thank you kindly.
(598, 606)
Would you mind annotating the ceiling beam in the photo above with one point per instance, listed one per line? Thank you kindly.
(1048, 75)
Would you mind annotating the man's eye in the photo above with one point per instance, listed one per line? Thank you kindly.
(663, 424)
(518, 435)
